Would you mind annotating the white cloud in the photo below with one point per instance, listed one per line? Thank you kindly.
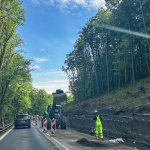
(50, 86)
(48, 2)
(35, 1)
(40, 59)
(42, 50)
(35, 67)
(55, 73)
(97, 3)
(80, 2)
(72, 4)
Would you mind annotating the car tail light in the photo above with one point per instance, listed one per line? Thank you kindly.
(28, 119)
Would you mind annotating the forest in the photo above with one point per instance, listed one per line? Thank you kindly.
(112, 50)
(17, 95)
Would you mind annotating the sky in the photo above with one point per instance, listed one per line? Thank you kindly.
(49, 33)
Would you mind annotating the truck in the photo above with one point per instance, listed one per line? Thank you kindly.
(55, 110)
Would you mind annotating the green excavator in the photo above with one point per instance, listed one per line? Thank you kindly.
(55, 110)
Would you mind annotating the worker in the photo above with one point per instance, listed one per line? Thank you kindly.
(92, 133)
(98, 125)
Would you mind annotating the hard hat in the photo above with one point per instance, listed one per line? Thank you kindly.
(95, 111)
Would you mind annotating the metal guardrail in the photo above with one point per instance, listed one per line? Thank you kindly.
(6, 126)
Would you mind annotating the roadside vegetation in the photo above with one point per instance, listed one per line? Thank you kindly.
(109, 54)
(110, 62)
(39, 100)
(108, 67)
(127, 97)
(17, 96)
(15, 79)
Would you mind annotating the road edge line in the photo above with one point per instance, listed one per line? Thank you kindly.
(50, 138)
(60, 143)
(5, 134)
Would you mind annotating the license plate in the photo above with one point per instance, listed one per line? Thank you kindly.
(22, 121)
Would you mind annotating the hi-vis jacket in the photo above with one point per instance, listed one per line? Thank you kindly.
(98, 119)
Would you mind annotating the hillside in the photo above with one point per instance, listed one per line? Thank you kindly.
(124, 101)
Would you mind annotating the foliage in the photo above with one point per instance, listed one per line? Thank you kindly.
(104, 59)
(40, 101)
(129, 96)
(15, 78)
(69, 100)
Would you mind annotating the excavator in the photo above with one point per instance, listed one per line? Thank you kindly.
(55, 110)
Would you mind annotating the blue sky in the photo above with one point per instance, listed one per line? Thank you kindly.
(49, 34)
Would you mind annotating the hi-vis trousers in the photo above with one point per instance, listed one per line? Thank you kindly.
(98, 131)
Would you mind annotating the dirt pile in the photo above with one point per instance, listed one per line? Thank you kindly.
(143, 109)
(85, 142)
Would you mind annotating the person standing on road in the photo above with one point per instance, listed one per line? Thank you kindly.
(98, 125)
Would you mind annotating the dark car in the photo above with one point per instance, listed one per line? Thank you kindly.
(23, 120)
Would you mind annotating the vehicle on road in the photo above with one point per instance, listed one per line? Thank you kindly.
(54, 111)
(23, 120)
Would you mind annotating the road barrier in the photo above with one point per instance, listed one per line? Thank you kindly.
(40, 118)
(53, 126)
(6, 126)
(36, 121)
(45, 126)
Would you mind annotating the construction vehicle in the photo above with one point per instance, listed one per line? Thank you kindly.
(54, 111)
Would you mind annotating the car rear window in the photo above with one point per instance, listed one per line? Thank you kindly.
(22, 116)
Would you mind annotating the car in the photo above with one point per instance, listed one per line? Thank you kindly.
(22, 120)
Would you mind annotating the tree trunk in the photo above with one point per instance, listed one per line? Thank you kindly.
(107, 67)
(125, 70)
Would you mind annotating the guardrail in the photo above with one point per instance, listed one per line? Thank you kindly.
(6, 126)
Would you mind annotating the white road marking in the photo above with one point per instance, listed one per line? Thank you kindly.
(5, 134)
(50, 138)
(47, 134)
(60, 143)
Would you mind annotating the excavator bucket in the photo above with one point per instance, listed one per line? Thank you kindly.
(57, 98)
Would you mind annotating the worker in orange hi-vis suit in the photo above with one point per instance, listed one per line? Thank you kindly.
(98, 125)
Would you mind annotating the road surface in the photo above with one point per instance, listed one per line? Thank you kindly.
(26, 139)
(35, 139)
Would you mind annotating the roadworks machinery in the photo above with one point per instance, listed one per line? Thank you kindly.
(54, 111)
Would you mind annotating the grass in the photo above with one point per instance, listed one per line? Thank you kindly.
(1, 133)
(132, 95)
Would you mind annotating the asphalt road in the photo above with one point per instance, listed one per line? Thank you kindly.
(35, 139)
(26, 139)
(69, 140)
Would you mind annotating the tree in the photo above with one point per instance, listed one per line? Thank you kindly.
(15, 84)
(11, 16)
(106, 56)
(39, 101)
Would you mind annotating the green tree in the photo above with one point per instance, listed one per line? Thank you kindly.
(104, 56)
(11, 16)
(39, 101)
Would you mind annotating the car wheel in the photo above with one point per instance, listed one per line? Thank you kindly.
(16, 126)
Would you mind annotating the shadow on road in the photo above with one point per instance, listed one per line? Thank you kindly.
(22, 127)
